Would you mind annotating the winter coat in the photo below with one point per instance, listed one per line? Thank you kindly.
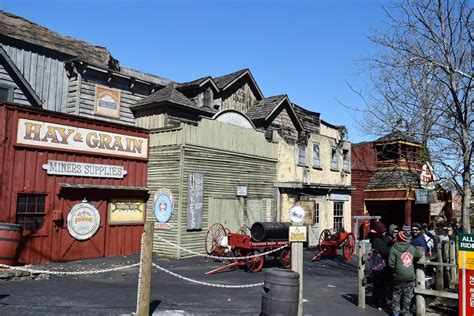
(381, 245)
(401, 259)
(420, 241)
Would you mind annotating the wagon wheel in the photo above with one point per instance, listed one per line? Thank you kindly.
(254, 264)
(325, 235)
(213, 237)
(348, 248)
(244, 230)
(285, 258)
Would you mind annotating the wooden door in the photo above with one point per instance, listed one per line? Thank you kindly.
(68, 248)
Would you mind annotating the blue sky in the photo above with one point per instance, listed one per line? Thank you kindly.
(306, 49)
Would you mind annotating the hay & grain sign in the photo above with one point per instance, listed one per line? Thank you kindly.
(49, 135)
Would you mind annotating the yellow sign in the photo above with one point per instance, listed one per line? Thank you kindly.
(468, 256)
(126, 212)
(298, 233)
(49, 135)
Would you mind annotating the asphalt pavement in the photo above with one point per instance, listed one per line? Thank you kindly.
(330, 288)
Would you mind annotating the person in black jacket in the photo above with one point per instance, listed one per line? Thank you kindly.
(381, 278)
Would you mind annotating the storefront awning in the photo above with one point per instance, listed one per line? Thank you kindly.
(103, 187)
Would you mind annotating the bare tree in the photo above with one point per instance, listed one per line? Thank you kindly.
(422, 80)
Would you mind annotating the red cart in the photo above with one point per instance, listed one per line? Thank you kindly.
(329, 243)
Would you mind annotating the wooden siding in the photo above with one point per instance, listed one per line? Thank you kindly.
(362, 170)
(21, 172)
(6, 80)
(46, 76)
(285, 128)
(239, 97)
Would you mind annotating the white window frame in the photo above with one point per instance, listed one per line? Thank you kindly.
(301, 149)
(338, 215)
(334, 159)
(316, 156)
(346, 166)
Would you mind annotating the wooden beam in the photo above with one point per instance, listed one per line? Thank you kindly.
(444, 294)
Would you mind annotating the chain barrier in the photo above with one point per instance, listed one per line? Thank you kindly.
(69, 272)
(206, 283)
(221, 258)
(140, 274)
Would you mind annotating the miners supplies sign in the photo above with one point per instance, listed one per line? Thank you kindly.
(69, 168)
(126, 211)
(163, 205)
(49, 135)
(195, 194)
(107, 101)
(83, 221)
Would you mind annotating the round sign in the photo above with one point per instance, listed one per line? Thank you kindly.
(83, 221)
(163, 205)
(297, 214)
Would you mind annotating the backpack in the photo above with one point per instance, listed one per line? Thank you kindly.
(375, 263)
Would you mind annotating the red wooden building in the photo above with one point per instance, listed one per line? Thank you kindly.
(388, 176)
(78, 186)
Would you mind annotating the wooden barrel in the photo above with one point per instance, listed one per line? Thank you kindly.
(280, 292)
(266, 231)
(10, 240)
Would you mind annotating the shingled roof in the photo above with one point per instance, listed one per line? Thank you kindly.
(311, 120)
(264, 107)
(397, 136)
(21, 29)
(167, 94)
(384, 179)
(223, 81)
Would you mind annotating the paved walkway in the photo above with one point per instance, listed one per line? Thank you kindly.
(330, 288)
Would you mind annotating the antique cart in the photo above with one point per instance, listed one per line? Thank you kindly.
(329, 243)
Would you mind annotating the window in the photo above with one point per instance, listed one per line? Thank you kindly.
(316, 159)
(346, 160)
(316, 213)
(30, 211)
(302, 155)
(6, 93)
(338, 215)
(334, 159)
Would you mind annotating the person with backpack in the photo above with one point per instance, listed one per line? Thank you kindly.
(380, 278)
(401, 261)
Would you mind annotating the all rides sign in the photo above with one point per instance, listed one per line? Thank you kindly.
(466, 274)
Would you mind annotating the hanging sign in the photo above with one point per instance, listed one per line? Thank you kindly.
(466, 273)
(297, 233)
(163, 205)
(126, 211)
(83, 221)
(195, 199)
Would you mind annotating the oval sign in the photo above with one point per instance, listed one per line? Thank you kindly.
(83, 221)
(297, 214)
(163, 205)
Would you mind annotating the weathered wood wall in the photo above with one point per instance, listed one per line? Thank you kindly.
(239, 97)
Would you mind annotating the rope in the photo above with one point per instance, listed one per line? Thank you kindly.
(206, 283)
(69, 272)
(221, 258)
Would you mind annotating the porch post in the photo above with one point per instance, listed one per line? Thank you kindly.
(408, 212)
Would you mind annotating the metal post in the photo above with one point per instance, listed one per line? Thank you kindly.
(145, 271)
(420, 283)
(297, 266)
(361, 278)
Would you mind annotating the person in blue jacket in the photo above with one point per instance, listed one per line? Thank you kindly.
(418, 240)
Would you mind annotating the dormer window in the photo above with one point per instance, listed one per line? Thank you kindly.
(387, 152)
(208, 98)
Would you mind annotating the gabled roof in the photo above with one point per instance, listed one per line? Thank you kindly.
(21, 29)
(197, 84)
(226, 81)
(19, 79)
(397, 136)
(167, 94)
(268, 108)
(384, 179)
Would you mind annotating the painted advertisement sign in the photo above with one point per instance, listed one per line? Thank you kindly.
(58, 136)
(126, 211)
(163, 205)
(195, 200)
(466, 274)
(107, 101)
(78, 169)
(83, 221)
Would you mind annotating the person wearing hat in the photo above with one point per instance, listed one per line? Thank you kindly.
(381, 245)
(401, 261)
(418, 239)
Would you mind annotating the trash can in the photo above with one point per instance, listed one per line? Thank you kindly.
(280, 292)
